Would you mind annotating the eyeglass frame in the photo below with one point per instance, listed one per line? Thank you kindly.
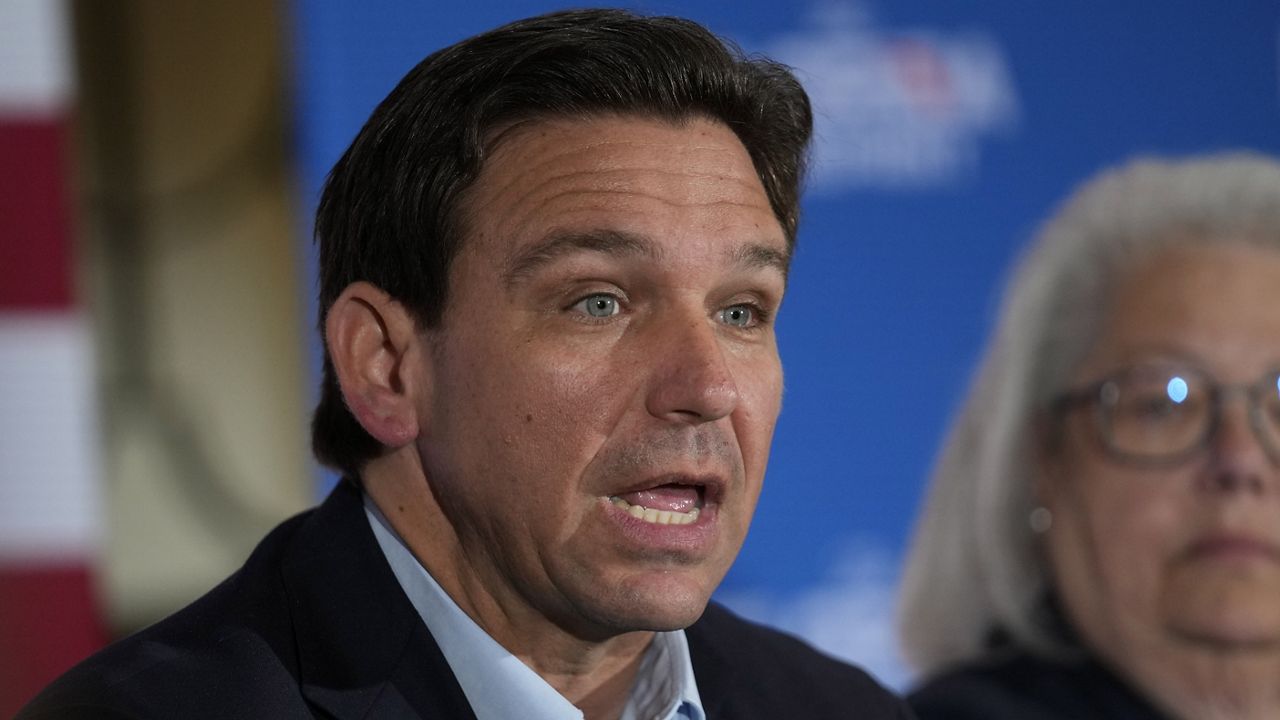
(1255, 393)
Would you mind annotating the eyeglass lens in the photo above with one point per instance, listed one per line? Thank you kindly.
(1270, 412)
(1156, 412)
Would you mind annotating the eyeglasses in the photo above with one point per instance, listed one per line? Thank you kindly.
(1165, 412)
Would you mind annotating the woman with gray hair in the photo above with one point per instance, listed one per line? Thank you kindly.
(1101, 538)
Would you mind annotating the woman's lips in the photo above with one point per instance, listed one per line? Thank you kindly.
(1228, 546)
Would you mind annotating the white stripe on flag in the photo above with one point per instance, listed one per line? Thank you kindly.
(35, 57)
(50, 499)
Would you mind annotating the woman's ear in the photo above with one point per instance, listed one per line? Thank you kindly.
(375, 348)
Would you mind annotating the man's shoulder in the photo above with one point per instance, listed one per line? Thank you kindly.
(749, 670)
(231, 673)
(230, 652)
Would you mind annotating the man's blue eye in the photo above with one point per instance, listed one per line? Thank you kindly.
(738, 315)
(598, 305)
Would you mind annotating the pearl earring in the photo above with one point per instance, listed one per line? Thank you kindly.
(1040, 520)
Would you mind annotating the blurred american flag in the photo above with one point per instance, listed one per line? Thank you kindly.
(50, 494)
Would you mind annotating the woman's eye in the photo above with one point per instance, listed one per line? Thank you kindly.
(600, 305)
(1154, 407)
(738, 315)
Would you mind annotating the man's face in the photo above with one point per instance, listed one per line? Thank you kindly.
(605, 379)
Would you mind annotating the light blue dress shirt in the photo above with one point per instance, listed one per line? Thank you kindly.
(498, 685)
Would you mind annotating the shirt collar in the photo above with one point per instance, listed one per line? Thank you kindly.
(498, 685)
(665, 687)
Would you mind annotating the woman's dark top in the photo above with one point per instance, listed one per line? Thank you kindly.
(1013, 685)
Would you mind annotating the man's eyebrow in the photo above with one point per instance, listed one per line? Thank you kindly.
(756, 255)
(607, 242)
(619, 244)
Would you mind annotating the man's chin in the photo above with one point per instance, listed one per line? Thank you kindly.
(660, 608)
(667, 619)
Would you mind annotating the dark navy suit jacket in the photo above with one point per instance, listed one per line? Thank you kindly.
(316, 625)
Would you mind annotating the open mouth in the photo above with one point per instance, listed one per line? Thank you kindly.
(674, 503)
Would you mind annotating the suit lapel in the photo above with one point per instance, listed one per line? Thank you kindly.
(711, 669)
(363, 651)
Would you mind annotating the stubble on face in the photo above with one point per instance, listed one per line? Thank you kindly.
(541, 415)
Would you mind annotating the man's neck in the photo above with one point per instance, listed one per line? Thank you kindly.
(601, 687)
(596, 675)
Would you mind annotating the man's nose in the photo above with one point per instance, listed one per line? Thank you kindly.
(1239, 461)
(692, 381)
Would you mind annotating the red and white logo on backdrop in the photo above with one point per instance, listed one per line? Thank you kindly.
(50, 495)
(900, 108)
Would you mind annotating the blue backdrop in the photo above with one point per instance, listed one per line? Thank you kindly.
(947, 131)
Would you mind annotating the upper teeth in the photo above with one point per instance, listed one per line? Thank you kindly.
(653, 515)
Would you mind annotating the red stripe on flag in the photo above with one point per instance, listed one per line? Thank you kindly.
(49, 621)
(35, 252)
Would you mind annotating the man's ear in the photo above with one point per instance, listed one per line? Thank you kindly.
(376, 351)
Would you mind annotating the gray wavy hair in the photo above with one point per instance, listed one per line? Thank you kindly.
(975, 567)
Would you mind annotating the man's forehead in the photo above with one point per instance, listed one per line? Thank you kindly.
(555, 185)
(601, 142)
